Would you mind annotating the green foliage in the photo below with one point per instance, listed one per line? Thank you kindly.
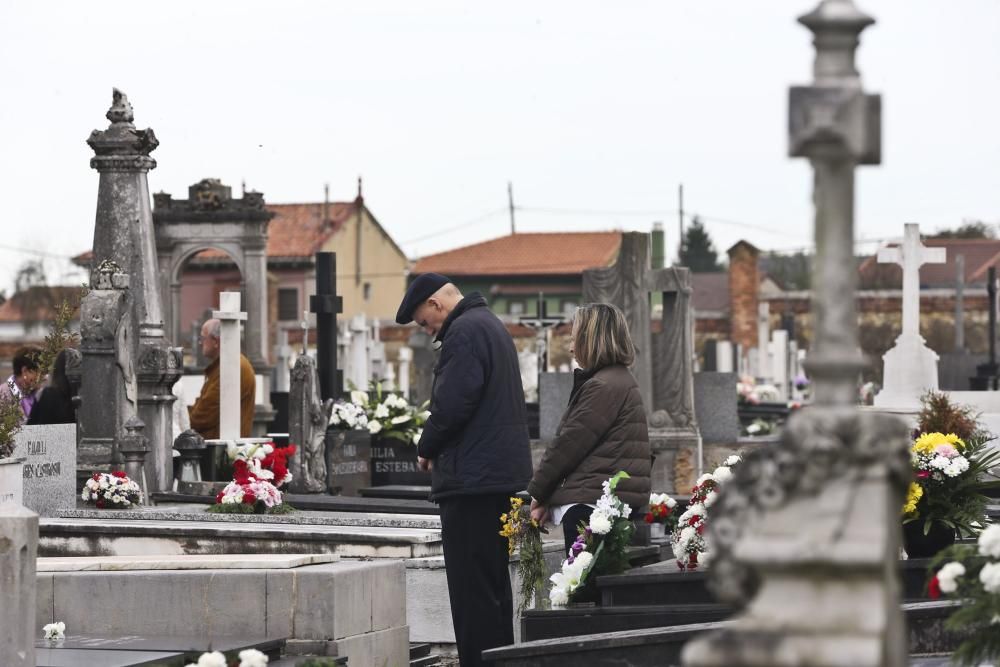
(793, 272)
(939, 415)
(10, 424)
(697, 251)
(59, 336)
(243, 508)
(970, 229)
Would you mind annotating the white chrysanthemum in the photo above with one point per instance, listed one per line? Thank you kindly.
(374, 427)
(626, 510)
(957, 466)
(583, 560)
(252, 658)
(731, 461)
(989, 541)
(600, 524)
(704, 478)
(722, 474)
(710, 498)
(990, 576)
(558, 597)
(54, 630)
(213, 659)
(939, 462)
(948, 577)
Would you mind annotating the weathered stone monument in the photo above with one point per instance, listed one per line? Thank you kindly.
(910, 366)
(130, 324)
(664, 366)
(18, 548)
(806, 535)
(308, 416)
(49, 474)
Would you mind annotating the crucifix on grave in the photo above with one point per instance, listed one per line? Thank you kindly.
(542, 323)
(910, 367)
(229, 316)
(327, 305)
(664, 363)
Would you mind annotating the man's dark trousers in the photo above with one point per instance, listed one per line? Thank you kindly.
(476, 562)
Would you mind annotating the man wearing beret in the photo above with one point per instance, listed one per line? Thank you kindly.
(475, 443)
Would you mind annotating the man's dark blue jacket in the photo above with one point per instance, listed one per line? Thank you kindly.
(477, 434)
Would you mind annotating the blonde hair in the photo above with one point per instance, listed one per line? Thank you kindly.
(601, 337)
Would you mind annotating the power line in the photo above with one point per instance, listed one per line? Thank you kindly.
(461, 225)
(40, 253)
(586, 211)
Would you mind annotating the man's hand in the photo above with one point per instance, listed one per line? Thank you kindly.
(539, 512)
(425, 464)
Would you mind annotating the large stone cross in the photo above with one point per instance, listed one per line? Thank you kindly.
(230, 315)
(911, 255)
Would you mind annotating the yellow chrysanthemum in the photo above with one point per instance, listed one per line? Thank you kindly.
(926, 443)
(913, 496)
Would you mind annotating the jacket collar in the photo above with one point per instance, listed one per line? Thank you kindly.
(473, 300)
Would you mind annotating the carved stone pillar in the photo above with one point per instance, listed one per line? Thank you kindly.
(133, 446)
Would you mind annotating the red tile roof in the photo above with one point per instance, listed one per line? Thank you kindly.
(38, 303)
(980, 255)
(527, 253)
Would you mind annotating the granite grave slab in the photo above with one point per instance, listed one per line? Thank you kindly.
(49, 474)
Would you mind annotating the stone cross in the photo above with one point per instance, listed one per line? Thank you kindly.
(909, 367)
(358, 368)
(403, 380)
(810, 558)
(230, 316)
(282, 357)
(911, 256)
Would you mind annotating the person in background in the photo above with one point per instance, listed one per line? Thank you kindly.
(204, 413)
(602, 431)
(55, 401)
(21, 386)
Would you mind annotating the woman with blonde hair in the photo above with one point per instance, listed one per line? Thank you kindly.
(602, 431)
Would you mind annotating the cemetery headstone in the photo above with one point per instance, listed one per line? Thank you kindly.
(394, 462)
(403, 379)
(19, 537)
(358, 370)
(715, 404)
(348, 461)
(724, 356)
(910, 366)
(11, 481)
(423, 366)
(230, 317)
(308, 417)
(553, 398)
(806, 535)
(49, 475)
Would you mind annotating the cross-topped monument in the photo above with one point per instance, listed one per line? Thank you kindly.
(327, 305)
(910, 366)
(230, 316)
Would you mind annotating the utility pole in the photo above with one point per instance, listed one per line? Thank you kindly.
(510, 200)
(680, 220)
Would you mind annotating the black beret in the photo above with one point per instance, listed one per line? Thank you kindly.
(421, 289)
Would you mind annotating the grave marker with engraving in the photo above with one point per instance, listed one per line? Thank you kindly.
(49, 473)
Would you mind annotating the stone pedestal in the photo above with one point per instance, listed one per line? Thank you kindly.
(133, 446)
(11, 482)
(910, 369)
(192, 448)
(18, 548)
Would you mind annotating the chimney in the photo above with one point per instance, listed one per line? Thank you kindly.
(656, 242)
(743, 284)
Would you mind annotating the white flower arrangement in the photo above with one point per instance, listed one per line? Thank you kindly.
(112, 490)
(689, 543)
(387, 415)
(249, 658)
(601, 544)
(54, 631)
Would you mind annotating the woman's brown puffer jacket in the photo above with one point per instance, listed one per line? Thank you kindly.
(603, 431)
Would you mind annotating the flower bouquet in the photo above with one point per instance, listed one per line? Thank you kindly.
(259, 470)
(972, 574)
(661, 512)
(523, 532)
(111, 491)
(250, 657)
(599, 549)
(688, 542)
(947, 494)
(385, 414)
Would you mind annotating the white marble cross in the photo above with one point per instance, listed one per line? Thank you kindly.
(911, 255)
(230, 316)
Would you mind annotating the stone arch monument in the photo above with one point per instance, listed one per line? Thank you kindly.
(211, 219)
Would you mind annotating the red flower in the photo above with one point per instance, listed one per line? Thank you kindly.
(248, 497)
(692, 521)
(240, 472)
(118, 473)
(218, 498)
(934, 588)
(649, 518)
(700, 529)
(96, 477)
(923, 474)
(100, 504)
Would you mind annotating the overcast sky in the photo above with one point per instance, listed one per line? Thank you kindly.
(595, 110)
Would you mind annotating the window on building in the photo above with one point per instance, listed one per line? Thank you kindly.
(367, 291)
(288, 304)
(515, 307)
(569, 306)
